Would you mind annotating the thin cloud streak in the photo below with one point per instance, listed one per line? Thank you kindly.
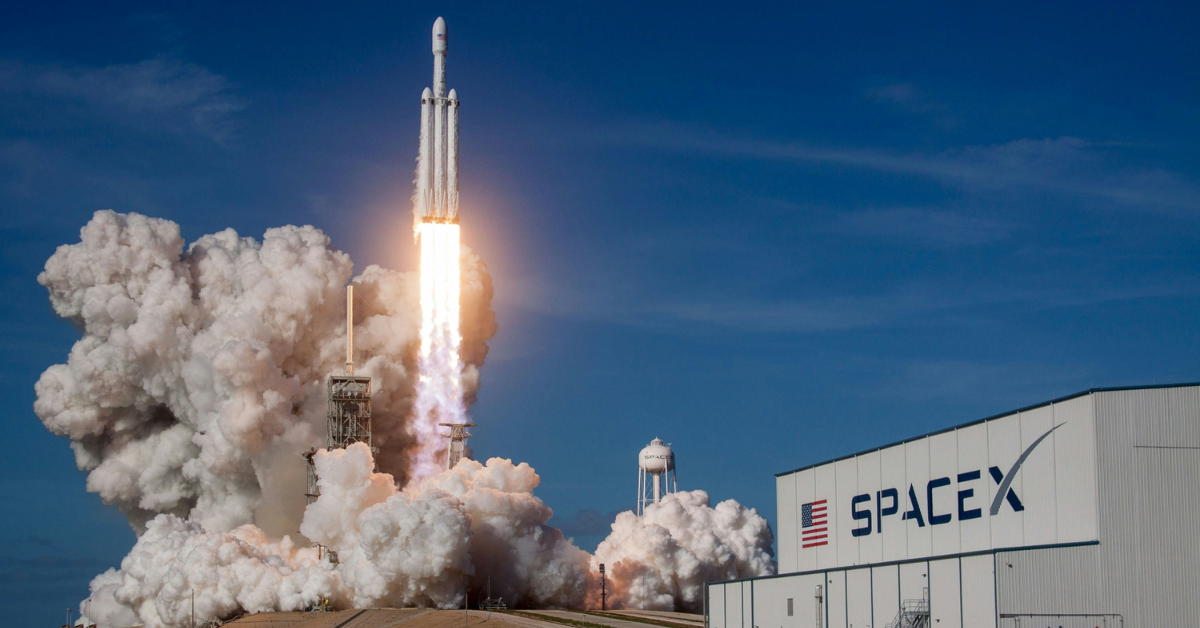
(911, 306)
(1067, 165)
(184, 97)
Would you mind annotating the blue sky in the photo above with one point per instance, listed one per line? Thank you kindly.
(769, 235)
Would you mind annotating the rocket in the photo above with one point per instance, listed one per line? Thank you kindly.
(437, 163)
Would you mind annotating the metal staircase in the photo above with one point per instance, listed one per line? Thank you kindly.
(913, 613)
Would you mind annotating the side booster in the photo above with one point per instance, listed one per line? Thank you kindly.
(437, 162)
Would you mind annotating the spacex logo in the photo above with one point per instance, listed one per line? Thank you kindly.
(888, 502)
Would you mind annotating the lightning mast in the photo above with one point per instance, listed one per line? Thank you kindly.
(349, 418)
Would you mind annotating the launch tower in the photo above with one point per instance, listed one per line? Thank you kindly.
(349, 398)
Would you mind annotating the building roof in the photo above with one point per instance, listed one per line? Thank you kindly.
(989, 418)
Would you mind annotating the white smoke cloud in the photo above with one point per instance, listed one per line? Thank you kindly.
(661, 561)
(423, 546)
(200, 375)
(227, 572)
(199, 381)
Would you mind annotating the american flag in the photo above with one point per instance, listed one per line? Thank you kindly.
(441, 35)
(814, 528)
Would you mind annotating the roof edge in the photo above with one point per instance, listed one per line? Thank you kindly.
(1090, 391)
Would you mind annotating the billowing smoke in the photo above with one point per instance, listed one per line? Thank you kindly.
(423, 546)
(198, 383)
(200, 375)
(660, 561)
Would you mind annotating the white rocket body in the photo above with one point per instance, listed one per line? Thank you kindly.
(437, 169)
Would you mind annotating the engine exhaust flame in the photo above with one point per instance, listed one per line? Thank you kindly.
(439, 386)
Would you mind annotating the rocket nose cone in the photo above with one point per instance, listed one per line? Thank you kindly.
(453, 95)
(440, 36)
(428, 93)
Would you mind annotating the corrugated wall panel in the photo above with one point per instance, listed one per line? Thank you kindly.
(748, 605)
(805, 492)
(841, 532)
(1076, 492)
(893, 531)
(1052, 580)
(945, 597)
(835, 599)
(870, 547)
(943, 463)
(978, 591)
(785, 530)
(914, 579)
(826, 554)
(716, 606)
(733, 605)
(858, 592)
(770, 603)
(1146, 439)
(1039, 526)
(916, 455)
(806, 599)
(974, 534)
(1162, 421)
(1170, 505)
(886, 583)
(1118, 523)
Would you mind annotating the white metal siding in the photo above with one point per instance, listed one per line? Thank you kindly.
(893, 531)
(733, 605)
(943, 462)
(1126, 472)
(1051, 580)
(978, 591)
(842, 536)
(858, 592)
(770, 603)
(974, 534)
(1169, 581)
(886, 600)
(945, 609)
(870, 547)
(914, 579)
(716, 606)
(948, 482)
(747, 605)
(787, 526)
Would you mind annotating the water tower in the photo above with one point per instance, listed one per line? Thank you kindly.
(656, 461)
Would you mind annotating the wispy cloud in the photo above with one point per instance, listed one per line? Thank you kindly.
(909, 98)
(1064, 165)
(182, 96)
(938, 227)
(915, 304)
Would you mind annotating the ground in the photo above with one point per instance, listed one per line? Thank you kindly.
(424, 618)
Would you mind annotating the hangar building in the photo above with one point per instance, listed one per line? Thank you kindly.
(1079, 512)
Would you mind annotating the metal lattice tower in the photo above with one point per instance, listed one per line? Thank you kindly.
(349, 398)
(458, 442)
